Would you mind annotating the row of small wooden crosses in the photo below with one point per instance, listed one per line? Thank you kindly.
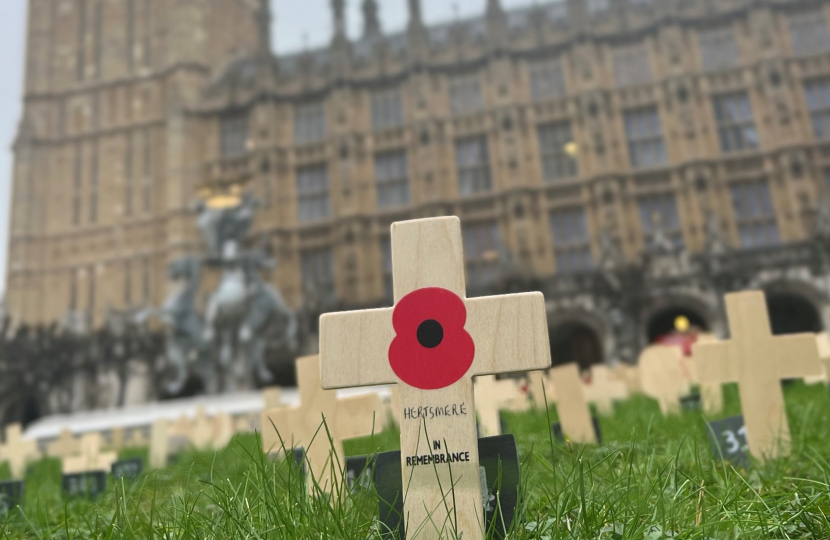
(91, 451)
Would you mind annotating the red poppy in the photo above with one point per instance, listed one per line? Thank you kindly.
(431, 349)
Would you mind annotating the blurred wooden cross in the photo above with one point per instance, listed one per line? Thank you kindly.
(90, 458)
(18, 451)
(603, 389)
(758, 361)
(346, 418)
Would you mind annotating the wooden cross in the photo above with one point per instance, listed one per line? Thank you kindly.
(117, 438)
(90, 458)
(630, 375)
(159, 443)
(136, 439)
(563, 386)
(432, 343)
(603, 389)
(664, 377)
(63, 446)
(571, 406)
(224, 428)
(271, 396)
(823, 343)
(18, 451)
(491, 397)
(345, 418)
(202, 433)
(711, 393)
(757, 361)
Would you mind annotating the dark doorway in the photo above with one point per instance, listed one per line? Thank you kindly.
(672, 320)
(23, 412)
(575, 342)
(792, 314)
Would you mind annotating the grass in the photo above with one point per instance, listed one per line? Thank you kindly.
(652, 478)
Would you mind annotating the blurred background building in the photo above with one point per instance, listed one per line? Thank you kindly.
(633, 159)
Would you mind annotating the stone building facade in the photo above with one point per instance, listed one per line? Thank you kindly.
(633, 159)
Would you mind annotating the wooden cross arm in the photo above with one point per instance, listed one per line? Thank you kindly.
(357, 416)
(712, 362)
(354, 348)
(797, 356)
(510, 333)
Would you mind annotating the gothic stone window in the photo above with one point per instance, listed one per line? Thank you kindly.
(309, 123)
(473, 165)
(465, 94)
(387, 109)
(808, 31)
(598, 6)
(736, 126)
(718, 49)
(312, 193)
(645, 137)
(234, 134)
(547, 81)
(317, 266)
(631, 66)
(818, 101)
(557, 148)
(754, 214)
(78, 185)
(482, 254)
(571, 242)
(391, 175)
(660, 210)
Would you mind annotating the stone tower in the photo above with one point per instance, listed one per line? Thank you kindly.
(103, 160)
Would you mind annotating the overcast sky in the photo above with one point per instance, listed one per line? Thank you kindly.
(296, 24)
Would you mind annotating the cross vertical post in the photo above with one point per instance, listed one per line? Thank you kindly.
(346, 418)
(757, 361)
(431, 344)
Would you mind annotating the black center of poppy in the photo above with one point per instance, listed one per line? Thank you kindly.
(430, 333)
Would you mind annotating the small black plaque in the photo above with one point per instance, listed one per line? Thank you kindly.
(86, 484)
(559, 436)
(128, 468)
(11, 492)
(728, 438)
(690, 403)
(499, 459)
(358, 472)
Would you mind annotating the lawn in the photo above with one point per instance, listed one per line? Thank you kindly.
(652, 478)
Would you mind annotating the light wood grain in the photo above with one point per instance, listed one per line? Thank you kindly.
(65, 445)
(602, 389)
(302, 426)
(664, 377)
(510, 335)
(159, 443)
(90, 457)
(757, 361)
(271, 397)
(571, 406)
(492, 396)
(17, 451)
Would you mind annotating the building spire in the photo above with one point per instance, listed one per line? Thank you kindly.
(496, 23)
(371, 22)
(338, 8)
(415, 20)
(263, 20)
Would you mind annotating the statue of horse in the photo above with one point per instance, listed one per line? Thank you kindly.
(269, 321)
(184, 328)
